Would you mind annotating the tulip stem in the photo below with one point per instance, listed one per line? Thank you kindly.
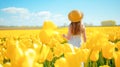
(107, 61)
(94, 64)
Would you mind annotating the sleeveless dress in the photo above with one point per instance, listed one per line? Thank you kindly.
(75, 40)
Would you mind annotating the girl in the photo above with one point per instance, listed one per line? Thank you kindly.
(76, 29)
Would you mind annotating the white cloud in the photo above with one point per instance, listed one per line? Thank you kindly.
(14, 10)
(60, 19)
(23, 16)
(4, 21)
(43, 14)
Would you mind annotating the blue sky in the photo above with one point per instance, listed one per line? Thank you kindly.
(35, 12)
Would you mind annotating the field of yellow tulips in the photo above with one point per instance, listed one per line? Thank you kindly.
(46, 47)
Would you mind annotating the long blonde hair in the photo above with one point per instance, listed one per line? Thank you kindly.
(75, 28)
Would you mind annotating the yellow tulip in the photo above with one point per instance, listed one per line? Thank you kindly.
(8, 64)
(108, 50)
(117, 58)
(52, 42)
(72, 60)
(49, 25)
(58, 50)
(1, 65)
(1, 57)
(50, 56)
(25, 44)
(76, 49)
(43, 53)
(104, 66)
(37, 47)
(14, 52)
(38, 65)
(68, 48)
(45, 35)
(29, 58)
(57, 36)
(61, 62)
(112, 37)
(118, 45)
(94, 56)
(82, 55)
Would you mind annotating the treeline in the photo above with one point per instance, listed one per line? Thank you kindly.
(19, 27)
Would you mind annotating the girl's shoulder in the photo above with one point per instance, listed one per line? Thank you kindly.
(82, 27)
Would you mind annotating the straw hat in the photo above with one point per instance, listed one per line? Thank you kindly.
(75, 16)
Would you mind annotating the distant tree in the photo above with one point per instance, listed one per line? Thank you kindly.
(108, 23)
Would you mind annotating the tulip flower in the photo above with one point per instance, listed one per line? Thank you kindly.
(50, 56)
(43, 53)
(117, 58)
(104, 66)
(48, 24)
(58, 50)
(118, 45)
(108, 50)
(94, 56)
(62, 62)
(72, 60)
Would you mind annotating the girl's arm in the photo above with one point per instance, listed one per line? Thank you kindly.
(68, 34)
(84, 34)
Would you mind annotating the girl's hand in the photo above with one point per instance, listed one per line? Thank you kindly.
(64, 35)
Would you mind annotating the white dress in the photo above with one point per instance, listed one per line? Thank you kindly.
(75, 40)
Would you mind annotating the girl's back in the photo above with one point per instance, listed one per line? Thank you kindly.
(76, 28)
